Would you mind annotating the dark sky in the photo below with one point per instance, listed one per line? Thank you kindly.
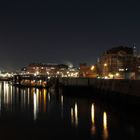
(59, 31)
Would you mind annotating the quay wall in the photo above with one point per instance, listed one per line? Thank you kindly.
(122, 86)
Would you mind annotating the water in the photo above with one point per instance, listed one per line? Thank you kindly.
(30, 113)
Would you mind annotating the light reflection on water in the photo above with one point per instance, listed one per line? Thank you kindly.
(105, 129)
(0, 96)
(78, 117)
(93, 128)
(45, 99)
(62, 102)
(74, 115)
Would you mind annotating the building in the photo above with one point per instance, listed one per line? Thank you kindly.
(88, 70)
(50, 70)
(119, 63)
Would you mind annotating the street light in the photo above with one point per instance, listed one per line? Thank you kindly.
(105, 64)
(117, 74)
(92, 67)
(105, 70)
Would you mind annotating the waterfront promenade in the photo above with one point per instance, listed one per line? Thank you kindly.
(123, 86)
(110, 88)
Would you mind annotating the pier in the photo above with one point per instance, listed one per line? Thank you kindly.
(121, 86)
(113, 88)
(30, 81)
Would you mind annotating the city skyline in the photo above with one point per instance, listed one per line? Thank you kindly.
(65, 31)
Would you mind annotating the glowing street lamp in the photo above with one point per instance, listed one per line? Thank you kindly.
(117, 74)
(105, 64)
(92, 67)
(105, 70)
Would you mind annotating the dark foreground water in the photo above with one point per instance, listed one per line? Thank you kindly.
(31, 113)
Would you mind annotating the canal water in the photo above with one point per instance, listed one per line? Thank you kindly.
(29, 113)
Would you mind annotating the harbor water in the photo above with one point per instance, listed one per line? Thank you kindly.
(32, 113)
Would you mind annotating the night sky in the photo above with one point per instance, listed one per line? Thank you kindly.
(56, 31)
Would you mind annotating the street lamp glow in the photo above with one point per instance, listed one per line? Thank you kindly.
(92, 67)
(117, 74)
(105, 64)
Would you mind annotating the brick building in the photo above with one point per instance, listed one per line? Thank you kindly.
(119, 62)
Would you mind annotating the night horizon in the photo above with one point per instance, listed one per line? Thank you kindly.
(60, 32)
(69, 69)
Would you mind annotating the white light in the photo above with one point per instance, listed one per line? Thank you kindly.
(76, 114)
(117, 74)
(106, 77)
(121, 69)
(92, 67)
(37, 72)
(35, 106)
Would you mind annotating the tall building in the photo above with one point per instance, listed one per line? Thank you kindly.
(119, 62)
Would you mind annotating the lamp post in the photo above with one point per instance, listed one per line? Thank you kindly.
(105, 69)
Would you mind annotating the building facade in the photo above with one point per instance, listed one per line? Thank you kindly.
(51, 70)
(119, 63)
(89, 71)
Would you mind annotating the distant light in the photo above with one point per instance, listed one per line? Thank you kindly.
(106, 77)
(117, 74)
(92, 67)
(72, 74)
(121, 69)
(110, 75)
(70, 66)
